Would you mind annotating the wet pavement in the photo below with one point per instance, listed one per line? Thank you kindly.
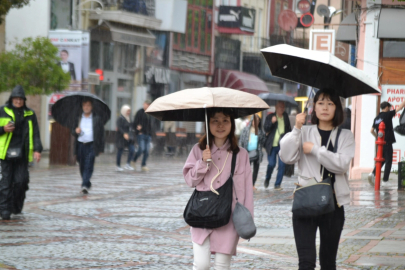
(133, 220)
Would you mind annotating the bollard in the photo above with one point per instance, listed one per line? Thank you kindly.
(379, 158)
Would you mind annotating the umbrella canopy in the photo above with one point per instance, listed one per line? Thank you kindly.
(68, 109)
(318, 69)
(190, 104)
(272, 98)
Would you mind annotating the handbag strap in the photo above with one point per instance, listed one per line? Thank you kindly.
(335, 147)
(232, 172)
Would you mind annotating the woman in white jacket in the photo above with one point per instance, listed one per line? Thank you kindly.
(306, 145)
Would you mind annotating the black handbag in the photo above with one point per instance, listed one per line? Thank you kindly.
(14, 153)
(317, 198)
(253, 155)
(205, 209)
(400, 129)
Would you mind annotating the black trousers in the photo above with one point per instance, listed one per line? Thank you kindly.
(14, 179)
(256, 166)
(330, 227)
(387, 155)
(86, 158)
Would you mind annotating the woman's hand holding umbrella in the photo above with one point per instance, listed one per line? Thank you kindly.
(300, 120)
(207, 154)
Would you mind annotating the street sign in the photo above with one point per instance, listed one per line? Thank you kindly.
(307, 19)
(322, 40)
(287, 20)
(304, 6)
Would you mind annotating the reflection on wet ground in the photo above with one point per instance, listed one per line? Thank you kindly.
(133, 220)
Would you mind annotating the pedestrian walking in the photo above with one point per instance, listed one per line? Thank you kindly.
(385, 116)
(169, 127)
(20, 143)
(144, 128)
(312, 147)
(253, 144)
(89, 133)
(276, 126)
(200, 173)
(125, 138)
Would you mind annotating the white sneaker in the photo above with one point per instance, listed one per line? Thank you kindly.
(84, 190)
(371, 179)
(119, 169)
(128, 167)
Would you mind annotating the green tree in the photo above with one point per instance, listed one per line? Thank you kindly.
(33, 65)
(6, 5)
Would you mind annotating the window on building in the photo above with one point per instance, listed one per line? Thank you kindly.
(394, 48)
(95, 55)
(127, 58)
(61, 14)
(108, 56)
(197, 38)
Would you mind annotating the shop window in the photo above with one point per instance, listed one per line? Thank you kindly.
(108, 56)
(394, 48)
(124, 86)
(95, 55)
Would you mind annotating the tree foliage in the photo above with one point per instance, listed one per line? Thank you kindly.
(6, 5)
(33, 65)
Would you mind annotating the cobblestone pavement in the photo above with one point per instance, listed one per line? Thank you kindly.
(133, 220)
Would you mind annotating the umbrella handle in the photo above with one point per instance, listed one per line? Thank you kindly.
(206, 128)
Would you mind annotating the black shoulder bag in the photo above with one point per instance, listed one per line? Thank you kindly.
(315, 199)
(205, 209)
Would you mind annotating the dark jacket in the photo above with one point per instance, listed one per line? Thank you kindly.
(141, 118)
(123, 126)
(270, 129)
(244, 139)
(27, 127)
(71, 70)
(98, 135)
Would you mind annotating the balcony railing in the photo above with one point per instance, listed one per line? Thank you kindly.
(143, 7)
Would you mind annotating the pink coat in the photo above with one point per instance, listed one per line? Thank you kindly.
(224, 239)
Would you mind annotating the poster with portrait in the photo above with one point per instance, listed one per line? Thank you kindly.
(69, 44)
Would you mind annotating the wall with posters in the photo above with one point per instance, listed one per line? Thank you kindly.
(395, 94)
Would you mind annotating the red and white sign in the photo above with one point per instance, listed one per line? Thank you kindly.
(303, 6)
(395, 94)
(55, 97)
(322, 40)
(287, 20)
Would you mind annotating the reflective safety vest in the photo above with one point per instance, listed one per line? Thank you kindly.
(6, 137)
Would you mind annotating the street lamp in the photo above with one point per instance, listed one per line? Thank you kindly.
(332, 12)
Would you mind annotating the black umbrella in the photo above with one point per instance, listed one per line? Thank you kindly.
(318, 69)
(272, 98)
(68, 109)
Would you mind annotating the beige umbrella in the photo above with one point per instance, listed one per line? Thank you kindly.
(192, 104)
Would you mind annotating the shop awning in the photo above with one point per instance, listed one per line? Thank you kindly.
(239, 81)
(391, 23)
(110, 31)
(347, 29)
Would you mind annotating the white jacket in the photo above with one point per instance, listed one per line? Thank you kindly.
(309, 165)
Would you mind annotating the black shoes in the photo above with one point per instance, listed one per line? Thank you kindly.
(5, 215)
(266, 182)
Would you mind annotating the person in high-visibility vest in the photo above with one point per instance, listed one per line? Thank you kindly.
(20, 144)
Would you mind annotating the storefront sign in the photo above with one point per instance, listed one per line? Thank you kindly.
(227, 53)
(322, 40)
(237, 17)
(157, 75)
(395, 94)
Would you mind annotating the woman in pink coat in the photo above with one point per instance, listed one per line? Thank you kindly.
(199, 173)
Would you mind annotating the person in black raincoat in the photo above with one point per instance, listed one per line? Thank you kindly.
(276, 126)
(20, 143)
(125, 138)
(89, 143)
